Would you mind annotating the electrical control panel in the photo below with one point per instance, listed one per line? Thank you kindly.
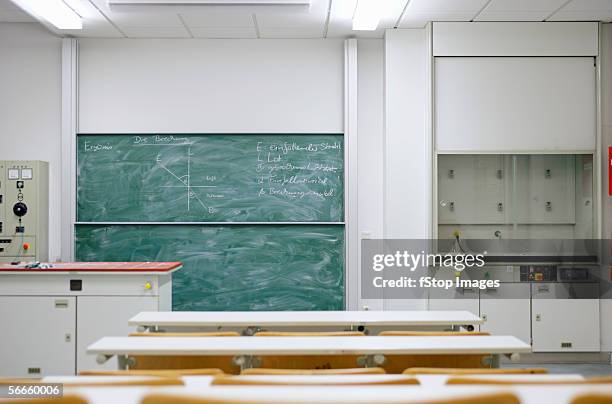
(24, 211)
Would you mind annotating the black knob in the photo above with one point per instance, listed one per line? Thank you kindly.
(20, 209)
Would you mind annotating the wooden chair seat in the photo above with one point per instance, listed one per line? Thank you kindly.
(593, 398)
(482, 371)
(276, 380)
(475, 380)
(398, 363)
(156, 381)
(349, 371)
(493, 398)
(154, 372)
(430, 333)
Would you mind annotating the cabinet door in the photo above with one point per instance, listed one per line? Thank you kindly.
(455, 299)
(564, 324)
(545, 189)
(37, 337)
(471, 189)
(507, 311)
(106, 316)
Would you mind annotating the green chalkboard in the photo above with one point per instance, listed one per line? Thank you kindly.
(210, 178)
(232, 267)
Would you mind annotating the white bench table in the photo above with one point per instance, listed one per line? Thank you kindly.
(246, 349)
(249, 322)
(340, 394)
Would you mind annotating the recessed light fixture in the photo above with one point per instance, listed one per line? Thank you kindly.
(368, 14)
(208, 2)
(54, 12)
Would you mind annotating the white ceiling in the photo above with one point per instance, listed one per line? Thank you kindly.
(323, 19)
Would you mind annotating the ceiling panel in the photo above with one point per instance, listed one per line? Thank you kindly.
(519, 10)
(341, 15)
(275, 22)
(218, 17)
(419, 12)
(224, 32)
(585, 10)
(156, 32)
(9, 12)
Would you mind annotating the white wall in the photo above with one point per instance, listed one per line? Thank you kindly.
(30, 104)
(199, 86)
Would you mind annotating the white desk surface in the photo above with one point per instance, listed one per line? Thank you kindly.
(308, 345)
(303, 318)
(341, 394)
(425, 380)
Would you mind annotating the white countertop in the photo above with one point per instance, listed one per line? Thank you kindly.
(303, 318)
(432, 345)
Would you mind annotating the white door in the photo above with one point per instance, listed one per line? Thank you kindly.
(507, 310)
(37, 336)
(561, 323)
(106, 316)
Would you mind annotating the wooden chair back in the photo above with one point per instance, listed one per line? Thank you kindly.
(309, 334)
(179, 363)
(349, 371)
(527, 381)
(482, 371)
(431, 333)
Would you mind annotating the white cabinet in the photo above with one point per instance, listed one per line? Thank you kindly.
(37, 336)
(48, 320)
(99, 316)
(565, 317)
(507, 310)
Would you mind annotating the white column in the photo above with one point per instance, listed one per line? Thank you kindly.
(68, 152)
(408, 140)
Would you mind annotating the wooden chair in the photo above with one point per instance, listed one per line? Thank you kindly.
(316, 381)
(484, 371)
(351, 371)
(493, 398)
(397, 363)
(309, 334)
(430, 333)
(149, 382)
(476, 380)
(186, 334)
(180, 363)
(301, 362)
(593, 398)
(154, 372)
(69, 399)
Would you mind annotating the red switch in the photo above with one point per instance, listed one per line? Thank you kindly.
(26, 246)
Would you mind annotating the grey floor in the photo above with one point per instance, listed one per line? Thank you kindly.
(585, 369)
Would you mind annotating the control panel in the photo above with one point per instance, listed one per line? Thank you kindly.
(24, 211)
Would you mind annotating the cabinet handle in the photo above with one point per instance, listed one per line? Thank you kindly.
(538, 317)
(61, 304)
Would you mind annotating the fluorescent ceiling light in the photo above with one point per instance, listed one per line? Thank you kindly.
(368, 14)
(55, 12)
(208, 2)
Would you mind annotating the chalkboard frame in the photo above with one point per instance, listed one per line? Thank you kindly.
(341, 223)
